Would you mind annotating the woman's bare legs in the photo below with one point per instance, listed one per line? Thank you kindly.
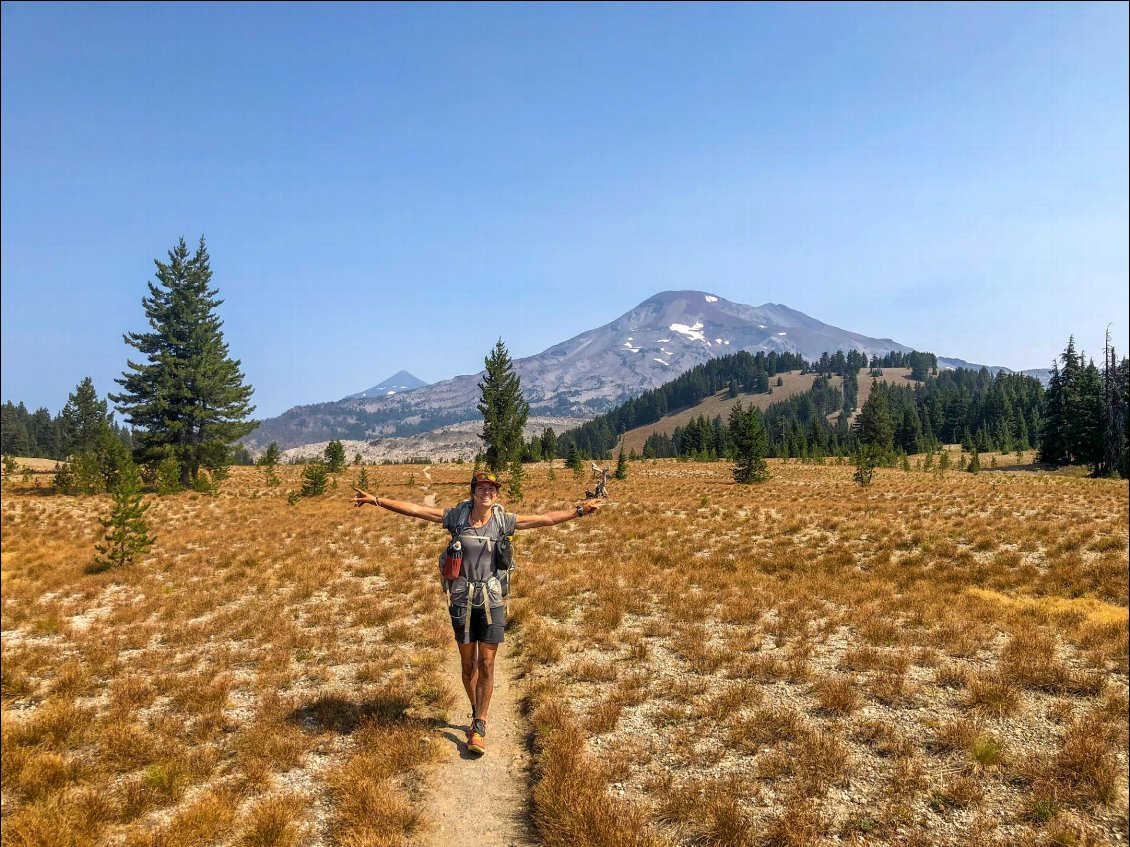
(477, 662)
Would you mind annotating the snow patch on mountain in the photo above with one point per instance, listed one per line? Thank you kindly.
(694, 332)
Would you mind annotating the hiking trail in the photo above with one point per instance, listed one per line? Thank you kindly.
(481, 800)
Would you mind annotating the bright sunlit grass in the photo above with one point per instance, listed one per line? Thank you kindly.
(703, 663)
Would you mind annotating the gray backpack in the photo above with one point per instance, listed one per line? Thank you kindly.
(501, 550)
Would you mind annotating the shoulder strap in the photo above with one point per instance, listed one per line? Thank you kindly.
(461, 517)
(500, 516)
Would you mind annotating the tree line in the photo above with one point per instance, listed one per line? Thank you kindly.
(1087, 412)
(1080, 419)
(39, 435)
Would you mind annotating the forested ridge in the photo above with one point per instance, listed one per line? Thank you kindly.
(1080, 419)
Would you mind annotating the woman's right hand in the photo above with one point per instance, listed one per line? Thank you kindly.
(363, 498)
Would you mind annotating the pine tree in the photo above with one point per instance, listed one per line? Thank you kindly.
(1087, 422)
(188, 398)
(573, 461)
(335, 457)
(127, 532)
(83, 420)
(315, 479)
(974, 463)
(168, 477)
(548, 444)
(621, 465)
(874, 425)
(269, 461)
(1075, 413)
(1053, 442)
(14, 430)
(751, 445)
(95, 452)
(1115, 413)
(504, 410)
(865, 460)
(514, 481)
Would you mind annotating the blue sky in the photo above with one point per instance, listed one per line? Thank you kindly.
(396, 186)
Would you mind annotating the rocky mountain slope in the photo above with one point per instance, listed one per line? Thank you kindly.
(653, 343)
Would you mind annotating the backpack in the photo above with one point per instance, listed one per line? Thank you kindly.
(502, 554)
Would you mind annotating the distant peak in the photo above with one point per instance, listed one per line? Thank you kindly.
(404, 377)
(398, 383)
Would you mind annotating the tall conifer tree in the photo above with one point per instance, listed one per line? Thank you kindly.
(1116, 420)
(188, 398)
(1053, 442)
(504, 409)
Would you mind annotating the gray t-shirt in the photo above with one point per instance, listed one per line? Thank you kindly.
(478, 548)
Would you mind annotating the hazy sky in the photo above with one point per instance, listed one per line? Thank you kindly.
(396, 186)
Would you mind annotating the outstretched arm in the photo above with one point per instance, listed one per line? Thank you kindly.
(552, 518)
(411, 510)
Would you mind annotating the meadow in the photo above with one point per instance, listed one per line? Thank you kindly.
(934, 659)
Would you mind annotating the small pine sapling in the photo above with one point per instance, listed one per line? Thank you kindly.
(127, 532)
(514, 483)
(168, 476)
(315, 479)
(865, 461)
(269, 461)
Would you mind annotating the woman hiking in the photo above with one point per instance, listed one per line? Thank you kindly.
(478, 616)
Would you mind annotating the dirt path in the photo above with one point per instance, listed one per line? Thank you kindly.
(482, 800)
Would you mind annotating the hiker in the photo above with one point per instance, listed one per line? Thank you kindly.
(478, 616)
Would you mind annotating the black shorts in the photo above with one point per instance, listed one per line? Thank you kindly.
(493, 634)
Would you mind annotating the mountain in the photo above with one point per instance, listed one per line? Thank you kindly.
(656, 341)
(398, 383)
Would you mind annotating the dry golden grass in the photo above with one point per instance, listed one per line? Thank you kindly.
(233, 686)
(920, 662)
(925, 661)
